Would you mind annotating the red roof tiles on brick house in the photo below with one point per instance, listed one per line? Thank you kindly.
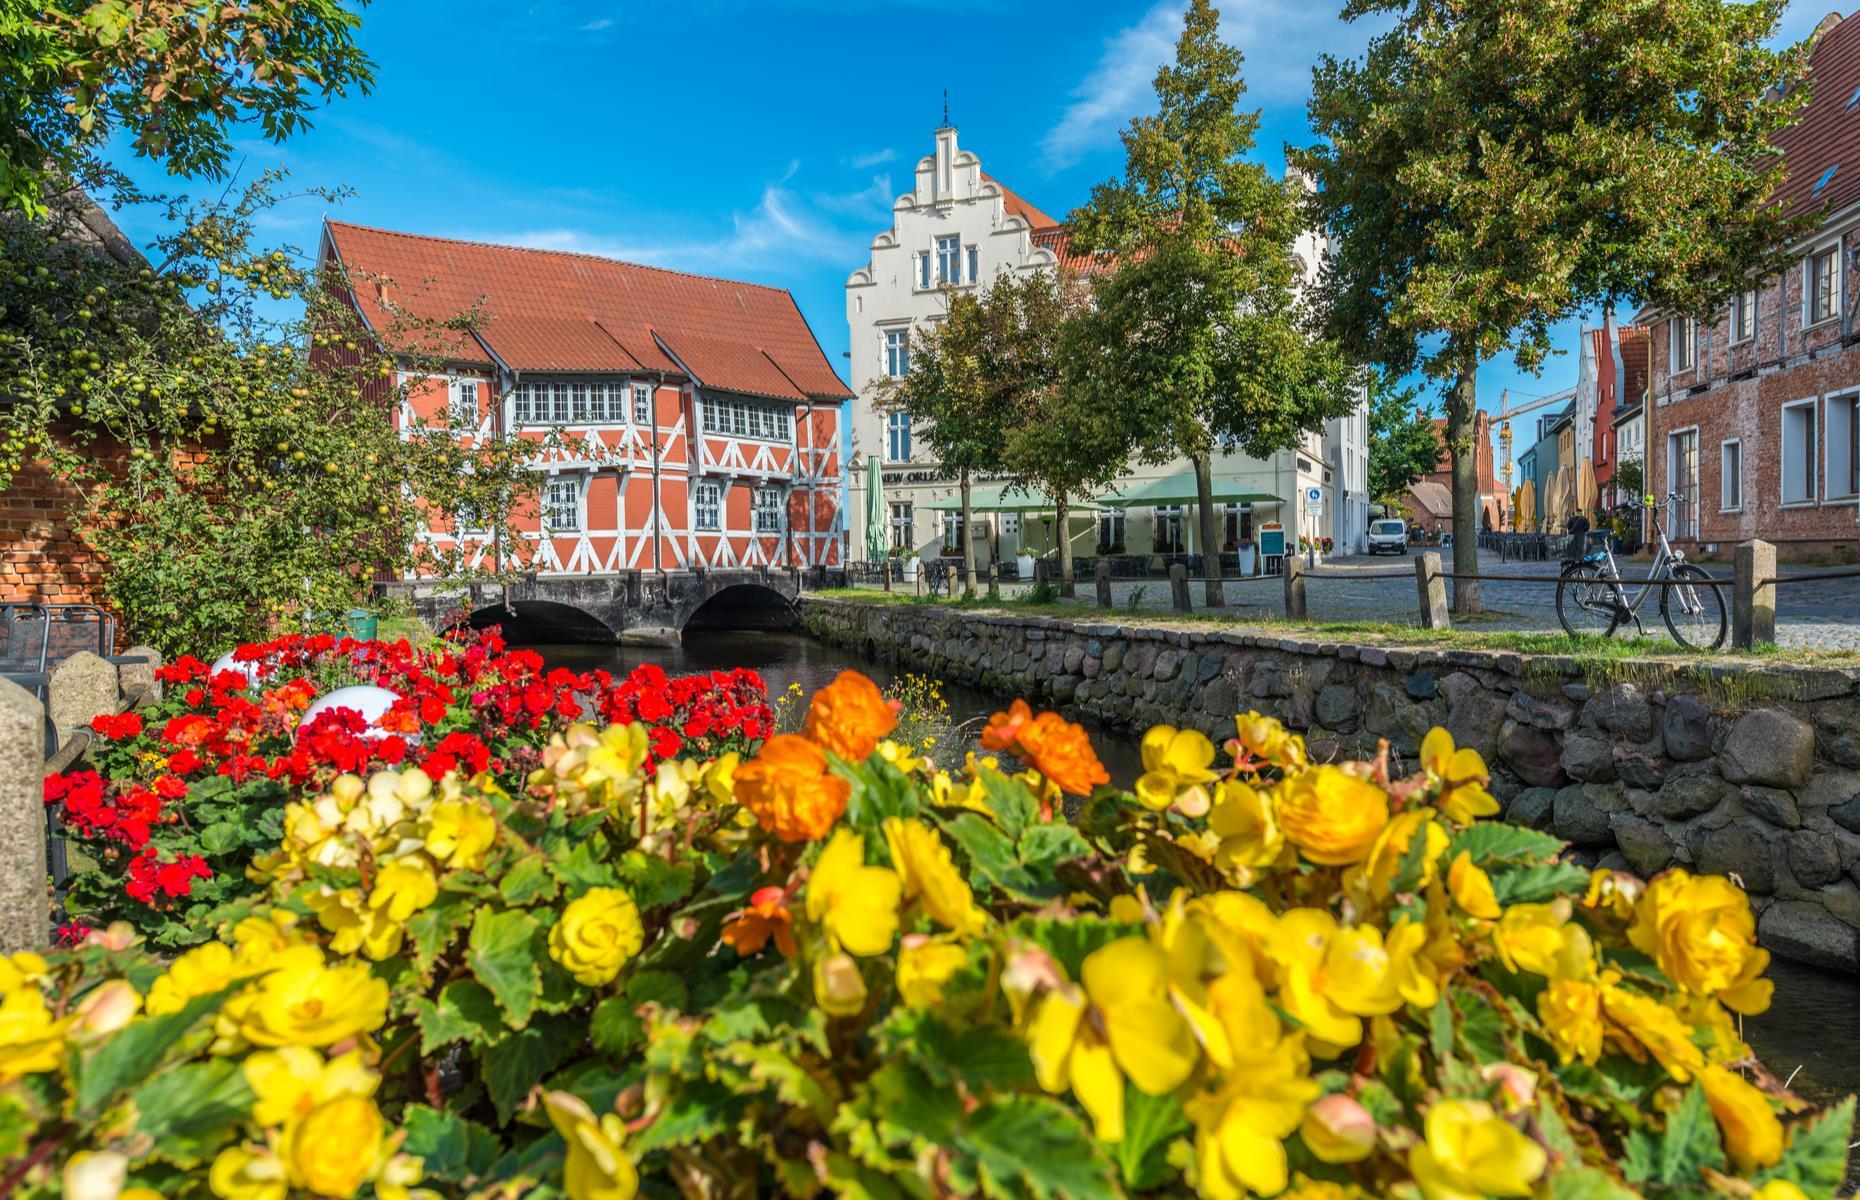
(554, 311)
(1828, 135)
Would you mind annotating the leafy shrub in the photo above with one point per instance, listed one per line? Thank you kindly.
(178, 798)
(831, 969)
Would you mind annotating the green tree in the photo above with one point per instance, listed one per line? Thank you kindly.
(239, 474)
(1204, 342)
(1492, 166)
(955, 394)
(171, 76)
(1404, 445)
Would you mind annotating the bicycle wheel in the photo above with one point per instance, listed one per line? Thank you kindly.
(1694, 614)
(1588, 603)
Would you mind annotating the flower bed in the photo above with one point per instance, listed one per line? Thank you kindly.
(832, 969)
(177, 798)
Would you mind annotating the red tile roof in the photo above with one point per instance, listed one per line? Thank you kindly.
(1019, 207)
(549, 310)
(1828, 135)
(1058, 239)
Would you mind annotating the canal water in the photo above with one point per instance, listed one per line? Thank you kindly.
(1811, 1031)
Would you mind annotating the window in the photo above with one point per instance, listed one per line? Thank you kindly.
(525, 404)
(1682, 478)
(642, 404)
(1684, 335)
(923, 270)
(975, 263)
(562, 505)
(737, 418)
(1822, 287)
(464, 402)
(1731, 475)
(1111, 531)
(1798, 452)
(768, 510)
(1744, 317)
(949, 260)
(952, 533)
(1843, 447)
(1237, 523)
(898, 437)
(902, 537)
(564, 407)
(898, 353)
(581, 409)
(1167, 538)
(467, 522)
(707, 498)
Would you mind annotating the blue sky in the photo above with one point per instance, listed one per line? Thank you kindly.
(762, 141)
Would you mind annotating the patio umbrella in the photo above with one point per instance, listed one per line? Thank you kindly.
(1524, 516)
(1588, 492)
(877, 536)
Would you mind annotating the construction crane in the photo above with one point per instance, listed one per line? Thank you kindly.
(1506, 413)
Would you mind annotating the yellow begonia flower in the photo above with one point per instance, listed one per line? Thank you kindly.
(397, 1177)
(720, 778)
(1174, 760)
(199, 972)
(32, 1040)
(1571, 1012)
(839, 986)
(596, 934)
(1336, 1129)
(928, 874)
(95, 1175)
(1331, 977)
(287, 1083)
(1240, 1130)
(403, 886)
(1333, 817)
(1391, 849)
(18, 970)
(459, 832)
(1264, 738)
(1538, 938)
(855, 904)
(248, 1172)
(1644, 1027)
(353, 925)
(1243, 820)
(1462, 776)
(1413, 971)
(1779, 1189)
(1700, 931)
(334, 1149)
(924, 966)
(901, 757)
(1471, 889)
(1471, 1152)
(302, 1001)
(1119, 1023)
(598, 1167)
(1752, 1133)
(105, 1009)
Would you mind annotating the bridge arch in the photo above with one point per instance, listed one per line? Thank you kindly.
(530, 621)
(741, 606)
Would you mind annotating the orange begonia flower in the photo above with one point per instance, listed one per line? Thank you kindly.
(767, 916)
(1004, 727)
(850, 715)
(1061, 751)
(788, 788)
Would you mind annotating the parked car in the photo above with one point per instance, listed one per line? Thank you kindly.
(1389, 534)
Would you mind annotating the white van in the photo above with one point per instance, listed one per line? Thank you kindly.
(1388, 534)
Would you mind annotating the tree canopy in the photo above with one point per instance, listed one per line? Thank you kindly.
(1404, 445)
(1493, 166)
(170, 76)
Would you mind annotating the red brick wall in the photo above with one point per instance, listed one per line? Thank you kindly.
(1739, 392)
(42, 558)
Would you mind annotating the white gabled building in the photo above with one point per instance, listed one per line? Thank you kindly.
(961, 227)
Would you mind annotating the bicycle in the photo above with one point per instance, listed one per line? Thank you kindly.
(1591, 598)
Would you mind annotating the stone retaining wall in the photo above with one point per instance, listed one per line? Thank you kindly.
(1751, 770)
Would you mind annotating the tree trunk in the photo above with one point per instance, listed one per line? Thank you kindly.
(1065, 547)
(1209, 521)
(1462, 409)
(968, 539)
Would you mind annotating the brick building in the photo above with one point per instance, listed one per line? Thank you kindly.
(1753, 417)
(1423, 503)
(700, 419)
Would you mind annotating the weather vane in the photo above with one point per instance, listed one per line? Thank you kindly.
(945, 108)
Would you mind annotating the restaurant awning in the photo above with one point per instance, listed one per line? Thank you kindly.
(1012, 497)
(1180, 489)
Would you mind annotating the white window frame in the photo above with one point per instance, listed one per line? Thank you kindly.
(1813, 472)
(467, 522)
(1833, 252)
(1846, 491)
(921, 275)
(903, 523)
(972, 263)
(898, 431)
(1694, 524)
(766, 509)
(948, 250)
(457, 401)
(1736, 476)
(523, 405)
(1113, 530)
(707, 498)
(1740, 331)
(1673, 343)
(897, 353)
(642, 403)
(554, 502)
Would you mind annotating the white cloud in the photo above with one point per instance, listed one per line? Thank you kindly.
(1280, 38)
(860, 162)
(596, 26)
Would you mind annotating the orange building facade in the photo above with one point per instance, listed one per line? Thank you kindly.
(696, 422)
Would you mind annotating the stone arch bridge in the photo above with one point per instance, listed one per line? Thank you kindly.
(639, 607)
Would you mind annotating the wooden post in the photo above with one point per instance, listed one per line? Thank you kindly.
(994, 578)
(1103, 573)
(1294, 588)
(25, 918)
(1753, 601)
(887, 573)
(1178, 588)
(1433, 591)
